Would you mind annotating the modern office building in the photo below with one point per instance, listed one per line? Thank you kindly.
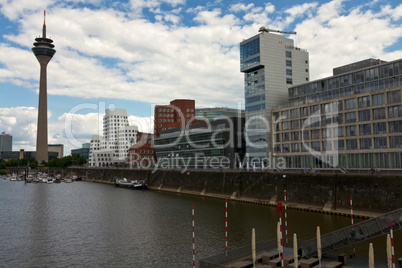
(59, 148)
(202, 145)
(6, 142)
(218, 112)
(83, 151)
(44, 51)
(352, 119)
(118, 137)
(271, 64)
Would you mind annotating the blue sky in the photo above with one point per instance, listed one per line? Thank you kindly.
(139, 53)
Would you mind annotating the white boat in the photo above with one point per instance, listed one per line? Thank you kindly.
(49, 180)
(131, 184)
(124, 183)
(68, 180)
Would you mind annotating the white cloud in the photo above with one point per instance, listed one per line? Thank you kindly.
(20, 122)
(240, 7)
(335, 37)
(71, 129)
(260, 15)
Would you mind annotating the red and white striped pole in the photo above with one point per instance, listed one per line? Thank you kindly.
(193, 239)
(280, 230)
(286, 220)
(351, 217)
(226, 226)
(392, 244)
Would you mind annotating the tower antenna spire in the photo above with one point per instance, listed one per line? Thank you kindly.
(44, 24)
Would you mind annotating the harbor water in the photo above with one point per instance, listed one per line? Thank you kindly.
(84, 224)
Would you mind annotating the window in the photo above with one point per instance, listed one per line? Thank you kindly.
(326, 108)
(303, 111)
(364, 115)
(337, 106)
(339, 145)
(365, 143)
(350, 117)
(295, 147)
(326, 132)
(351, 144)
(395, 126)
(338, 132)
(288, 72)
(285, 114)
(327, 146)
(380, 143)
(378, 99)
(315, 145)
(313, 109)
(394, 96)
(378, 113)
(365, 129)
(277, 148)
(285, 125)
(325, 120)
(351, 131)
(289, 63)
(288, 54)
(314, 121)
(364, 101)
(395, 142)
(289, 81)
(305, 135)
(350, 104)
(285, 148)
(295, 136)
(294, 124)
(294, 113)
(395, 111)
(380, 128)
(315, 134)
(338, 119)
(285, 136)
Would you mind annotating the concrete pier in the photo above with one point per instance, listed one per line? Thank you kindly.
(321, 193)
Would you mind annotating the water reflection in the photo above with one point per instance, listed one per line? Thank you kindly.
(90, 224)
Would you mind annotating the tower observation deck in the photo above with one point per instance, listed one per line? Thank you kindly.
(44, 51)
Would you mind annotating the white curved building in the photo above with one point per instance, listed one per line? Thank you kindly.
(118, 137)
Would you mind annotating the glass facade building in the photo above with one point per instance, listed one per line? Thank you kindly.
(271, 64)
(353, 119)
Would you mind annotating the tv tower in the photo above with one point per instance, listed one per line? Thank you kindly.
(43, 50)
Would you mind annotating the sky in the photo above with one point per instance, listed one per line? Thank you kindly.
(136, 54)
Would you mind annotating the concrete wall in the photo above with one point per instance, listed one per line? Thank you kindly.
(371, 193)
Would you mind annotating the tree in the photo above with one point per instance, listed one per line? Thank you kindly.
(2, 164)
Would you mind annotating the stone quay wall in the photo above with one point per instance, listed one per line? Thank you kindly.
(328, 193)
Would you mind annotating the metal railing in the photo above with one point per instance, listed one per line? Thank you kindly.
(354, 234)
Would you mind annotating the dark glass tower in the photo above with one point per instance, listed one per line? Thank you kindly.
(44, 51)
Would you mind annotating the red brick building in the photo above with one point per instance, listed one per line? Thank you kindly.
(177, 114)
(142, 154)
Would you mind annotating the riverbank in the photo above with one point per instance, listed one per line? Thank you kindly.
(320, 193)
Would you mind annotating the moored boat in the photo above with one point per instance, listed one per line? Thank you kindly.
(124, 183)
(140, 184)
